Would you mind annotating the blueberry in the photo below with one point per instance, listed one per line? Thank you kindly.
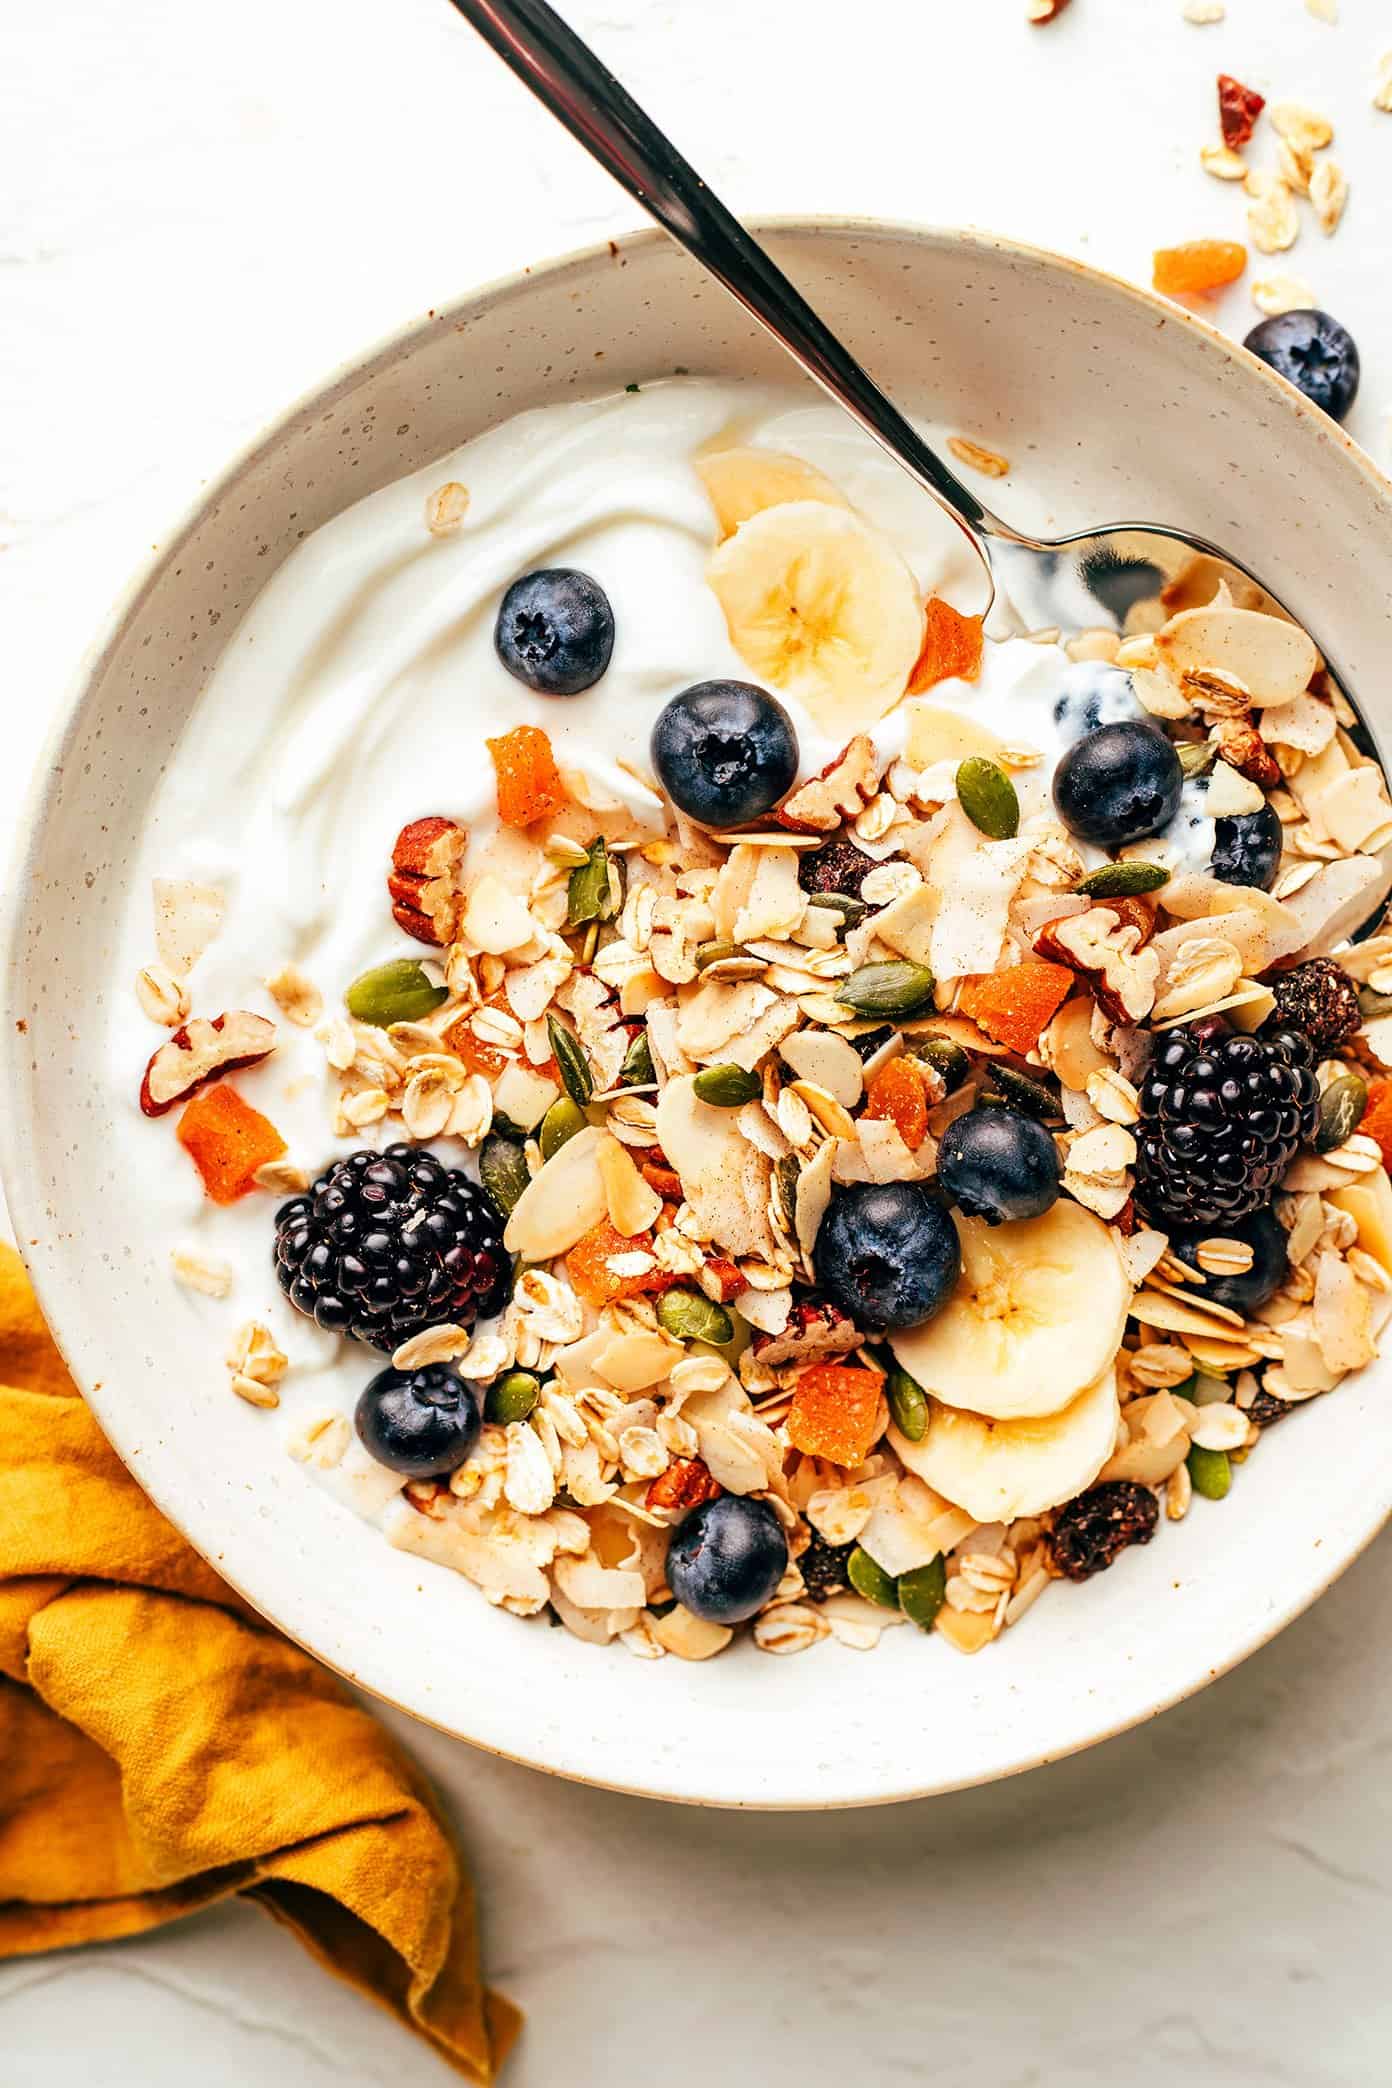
(555, 631)
(887, 1254)
(996, 1164)
(1267, 1240)
(421, 1423)
(726, 1559)
(1314, 352)
(725, 752)
(1118, 784)
(1247, 848)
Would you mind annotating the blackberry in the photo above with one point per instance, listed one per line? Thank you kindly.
(1091, 1532)
(1320, 1000)
(386, 1243)
(1222, 1116)
(823, 1568)
(838, 867)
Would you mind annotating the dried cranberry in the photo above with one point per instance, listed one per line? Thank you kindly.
(1238, 110)
(1091, 1531)
(839, 867)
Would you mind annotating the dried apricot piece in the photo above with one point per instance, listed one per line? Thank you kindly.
(1238, 110)
(835, 1413)
(897, 1092)
(591, 1277)
(529, 783)
(477, 1053)
(227, 1141)
(1200, 264)
(951, 646)
(1014, 1005)
(1377, 1117)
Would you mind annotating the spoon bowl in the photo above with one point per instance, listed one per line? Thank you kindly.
(1126, 577)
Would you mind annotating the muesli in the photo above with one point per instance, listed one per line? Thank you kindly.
(876, 1145)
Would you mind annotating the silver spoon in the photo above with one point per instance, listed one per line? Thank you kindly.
(1112, 578)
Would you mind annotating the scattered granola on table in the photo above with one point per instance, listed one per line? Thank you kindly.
(866, 1169)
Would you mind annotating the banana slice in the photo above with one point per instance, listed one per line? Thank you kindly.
(743, 482)
(1038, 1313)
(997, 1470)
(822, 607)
(938, 733)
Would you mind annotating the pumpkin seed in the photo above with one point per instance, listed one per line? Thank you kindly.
(1196, 757)
(637, 1069)
(576, 1077)
(503, 1167)
(1122, 880)
(1374, 1004)
(897, 989)
(1341, 1108)
(727, 1087)
(589, 894)
(785, 1176)
(1018, 1091)
(923, 1592)
(511, 1397)
(559, 1125)
(1210, 1472)
(688, 1315)
(987, 796)
(715, 953)
(945, 1058)
(908, 1404)
(850, 910)
(869, 1579)
(394, 992)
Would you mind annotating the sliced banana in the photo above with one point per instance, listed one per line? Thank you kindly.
(743, 482)
(938, 733)
(1038, 1313)
(822, 607)
(997, 1470)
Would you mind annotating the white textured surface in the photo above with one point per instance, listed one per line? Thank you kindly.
(200, 212)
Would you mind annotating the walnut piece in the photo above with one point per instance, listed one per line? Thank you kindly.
(842, 790)
(1105, 951)
(816, 1331)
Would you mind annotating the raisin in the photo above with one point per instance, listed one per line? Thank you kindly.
(839, 867)
(823, 1568)
(1093, 1530)
(1266, 1408)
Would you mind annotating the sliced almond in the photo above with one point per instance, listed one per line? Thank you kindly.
(633, 1205)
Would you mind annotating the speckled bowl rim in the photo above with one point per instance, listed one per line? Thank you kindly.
(25, 1198)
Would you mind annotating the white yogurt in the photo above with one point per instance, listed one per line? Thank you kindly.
(357, 695)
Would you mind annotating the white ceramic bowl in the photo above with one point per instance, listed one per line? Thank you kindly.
(1110, 404)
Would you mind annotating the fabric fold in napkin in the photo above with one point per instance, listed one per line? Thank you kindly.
(162, 1747)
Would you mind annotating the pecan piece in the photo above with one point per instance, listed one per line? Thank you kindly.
(423, 880)
(201, 1051)
(816, 1329)
(685, 1484)
(844, 788)
(720, 1280)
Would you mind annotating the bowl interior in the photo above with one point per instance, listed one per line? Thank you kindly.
(1110, 407)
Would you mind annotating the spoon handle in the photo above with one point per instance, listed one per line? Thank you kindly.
(569, 80)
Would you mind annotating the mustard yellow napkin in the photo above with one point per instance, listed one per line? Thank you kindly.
(160, 1747)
